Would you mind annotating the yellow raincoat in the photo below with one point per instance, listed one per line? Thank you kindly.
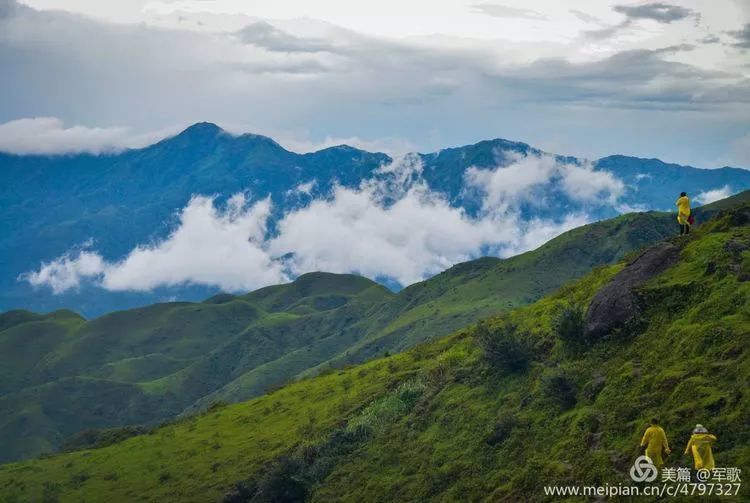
(700, 446)
(683, 210)
(655, 441)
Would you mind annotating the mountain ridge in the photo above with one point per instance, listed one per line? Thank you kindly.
(54, 206)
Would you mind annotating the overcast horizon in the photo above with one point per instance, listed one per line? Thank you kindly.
(648, 79)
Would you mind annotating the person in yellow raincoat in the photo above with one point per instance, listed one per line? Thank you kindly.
(655, 442)
(683, 213)
(700, 446)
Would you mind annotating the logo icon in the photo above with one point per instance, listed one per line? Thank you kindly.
(703, 475)
(643, 470)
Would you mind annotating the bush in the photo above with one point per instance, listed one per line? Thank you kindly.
(558, 388)
(504, 348)
(282, 484)
(568, 326)
(500, 431)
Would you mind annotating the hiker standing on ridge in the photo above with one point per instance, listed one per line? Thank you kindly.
(700, 446)
(683, 213)
(655, 441)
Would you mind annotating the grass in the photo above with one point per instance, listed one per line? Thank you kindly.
(440, 422)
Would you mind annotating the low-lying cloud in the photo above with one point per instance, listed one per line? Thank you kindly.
(506, 187)
(49, 135)
(391, 227)
(710, 196)
(213, 246)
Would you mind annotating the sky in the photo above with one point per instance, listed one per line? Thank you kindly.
(583, 77)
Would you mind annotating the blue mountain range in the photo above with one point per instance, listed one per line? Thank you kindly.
(52, 204)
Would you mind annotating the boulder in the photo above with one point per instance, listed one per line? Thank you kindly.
(615, 305)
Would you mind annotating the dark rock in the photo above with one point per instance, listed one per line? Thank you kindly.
(736, 246)
(740, 217)
(710, 268)
(615, 305)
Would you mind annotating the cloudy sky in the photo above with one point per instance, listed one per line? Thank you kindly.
(581, 77)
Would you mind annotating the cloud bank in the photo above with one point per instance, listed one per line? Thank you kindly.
(48, 135)
(391, 227)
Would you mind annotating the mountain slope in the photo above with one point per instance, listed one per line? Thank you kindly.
(146, 365)
(442, 420)
(179, 358)
(480, 288)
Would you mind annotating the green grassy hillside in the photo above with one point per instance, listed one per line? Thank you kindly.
(61, 374)
(488, 286)
(178, 358)
(493, 412)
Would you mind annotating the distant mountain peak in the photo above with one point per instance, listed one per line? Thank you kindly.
(202, 129)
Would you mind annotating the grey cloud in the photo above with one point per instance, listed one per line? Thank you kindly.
(262, 34)
(657, 11)
(742, 37)
(300, 67)
(709, 39)
(504, 11)
(629, 79)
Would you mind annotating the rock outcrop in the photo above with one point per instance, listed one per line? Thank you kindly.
(615, 305)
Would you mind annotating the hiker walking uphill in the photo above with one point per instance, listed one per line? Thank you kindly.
(700, 447)
(655, 442)
(683, 213)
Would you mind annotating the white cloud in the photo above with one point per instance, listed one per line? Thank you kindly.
(48, 135)
(583, 183)
(211, 246)
(392, 226)
(710, 196)
(65, 273)
(507, 186)
(418, 235)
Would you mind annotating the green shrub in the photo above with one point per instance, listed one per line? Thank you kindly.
(500, 430)
(503, 347)
(568, 326)
(558, 388)
(282, 484)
